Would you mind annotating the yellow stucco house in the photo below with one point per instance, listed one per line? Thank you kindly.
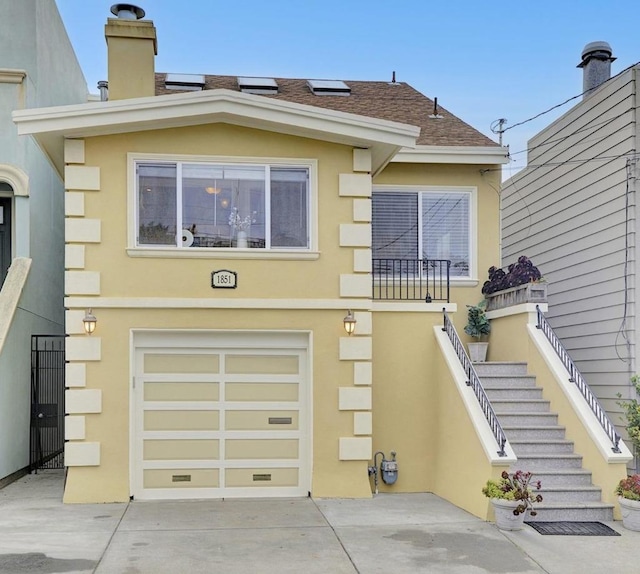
(220, 230)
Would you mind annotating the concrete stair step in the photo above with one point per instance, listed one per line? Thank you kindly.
(529, 446)
(520, 406)
(507, 381)
(543, 432)
(566, 477)
(535, 462)
(526, 419)
(572, 511)
(573, 494)
(500, 368)
(519, 393)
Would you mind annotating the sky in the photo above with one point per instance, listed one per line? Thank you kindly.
(483, 60)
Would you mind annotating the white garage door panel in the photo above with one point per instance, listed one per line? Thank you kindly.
(220, 421)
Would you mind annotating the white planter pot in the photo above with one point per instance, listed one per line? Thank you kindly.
(478, 352)
(505, 518)
(630, 510)
(242, 239)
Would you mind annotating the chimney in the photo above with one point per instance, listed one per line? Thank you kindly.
(596, 65)
(131, 48)
(103, 86)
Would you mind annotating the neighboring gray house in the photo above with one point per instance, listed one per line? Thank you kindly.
(573, 211)
(38, 68)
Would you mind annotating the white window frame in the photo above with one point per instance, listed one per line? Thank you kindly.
(472, 278)
(164, 251)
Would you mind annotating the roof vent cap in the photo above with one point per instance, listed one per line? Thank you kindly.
(596, 66)
(127, 12)
(600, 50)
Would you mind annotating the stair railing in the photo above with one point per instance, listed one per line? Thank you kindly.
(576, 377)
(474, 382)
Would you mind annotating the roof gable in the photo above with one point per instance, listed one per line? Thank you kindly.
(51, 125)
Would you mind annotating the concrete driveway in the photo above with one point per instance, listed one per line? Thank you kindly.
(390, 534)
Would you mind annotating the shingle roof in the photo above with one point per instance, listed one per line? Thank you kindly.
(397, 102)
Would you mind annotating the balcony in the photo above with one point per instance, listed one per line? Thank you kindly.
(411, 280)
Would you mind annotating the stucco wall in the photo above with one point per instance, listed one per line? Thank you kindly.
(33, 39)
(405, 379)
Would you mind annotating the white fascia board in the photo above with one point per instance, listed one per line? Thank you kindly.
(50, 125)
(481, 155)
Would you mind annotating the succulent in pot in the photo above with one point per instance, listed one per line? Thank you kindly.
(512, 496)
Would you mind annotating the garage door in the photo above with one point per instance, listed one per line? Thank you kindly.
(220, 416)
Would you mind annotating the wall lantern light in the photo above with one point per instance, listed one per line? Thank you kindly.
(349, 323)
(89, 321)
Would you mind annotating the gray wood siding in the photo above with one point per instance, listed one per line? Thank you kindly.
(568, 212)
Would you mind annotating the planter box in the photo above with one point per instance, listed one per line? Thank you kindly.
(630, 510)
(478, 352)
(529, 293)
(505, 518)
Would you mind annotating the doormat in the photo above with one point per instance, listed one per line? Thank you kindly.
(573, 528)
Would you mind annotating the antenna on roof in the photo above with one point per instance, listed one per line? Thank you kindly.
(499, 129)
(435, 115)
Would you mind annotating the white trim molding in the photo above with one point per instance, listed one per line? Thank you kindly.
(11, 76)
(209, 303)
(355, 448)
(16, 178)
(480, 155)
(50, 125)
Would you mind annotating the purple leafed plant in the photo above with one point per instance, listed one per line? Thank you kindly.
(519, 273)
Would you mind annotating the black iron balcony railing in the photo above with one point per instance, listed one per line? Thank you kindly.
(474, 382)
(411, 279)
(576, 377)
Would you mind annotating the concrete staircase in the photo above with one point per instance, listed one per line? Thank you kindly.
(540, 445)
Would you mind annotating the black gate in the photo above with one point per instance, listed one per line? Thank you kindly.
(47, 402)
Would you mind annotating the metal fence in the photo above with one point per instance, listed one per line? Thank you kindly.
(411, 279)
(47, 402)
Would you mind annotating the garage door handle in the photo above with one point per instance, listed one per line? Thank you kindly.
(279, 420)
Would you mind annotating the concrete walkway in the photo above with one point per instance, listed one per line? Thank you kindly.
(390, 534)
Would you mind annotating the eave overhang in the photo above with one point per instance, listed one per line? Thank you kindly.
(480, 155)
(50, 126)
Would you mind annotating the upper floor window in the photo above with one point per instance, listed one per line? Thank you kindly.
(191, 205)
(420, 225)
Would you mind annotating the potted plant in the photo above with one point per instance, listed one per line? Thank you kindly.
(522, 282)
(628, 491)
(632, 414)
(511, 497)
(241, 226)
(477, 327)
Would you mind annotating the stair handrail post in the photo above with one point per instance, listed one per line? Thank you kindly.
(575, 377)
(473, 381)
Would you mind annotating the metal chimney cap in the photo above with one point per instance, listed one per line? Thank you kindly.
(599, 49)
(127, 11)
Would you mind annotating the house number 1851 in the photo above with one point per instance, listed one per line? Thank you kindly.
(224, 279)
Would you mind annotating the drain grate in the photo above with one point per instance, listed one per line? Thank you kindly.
(573, 528)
